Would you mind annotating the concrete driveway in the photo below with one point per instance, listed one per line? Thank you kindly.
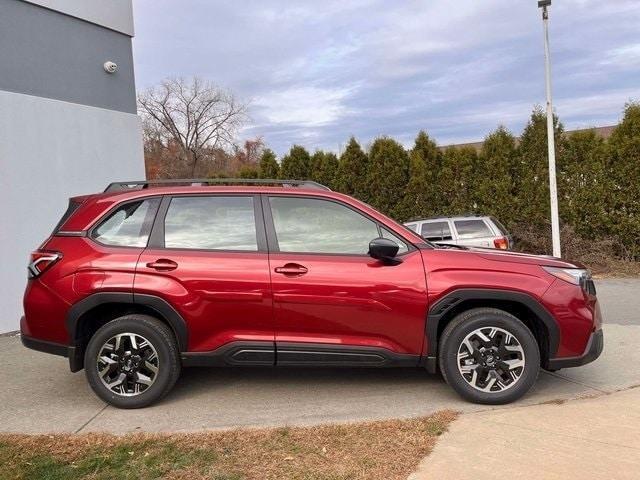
(38, 394)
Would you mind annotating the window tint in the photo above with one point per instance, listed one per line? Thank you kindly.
(129, 225)
(472, 229)
(436, 231)
(211, 223)
(401, 243)
(320, 226)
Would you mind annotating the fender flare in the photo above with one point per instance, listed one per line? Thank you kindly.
(155, 303)
(452, 299)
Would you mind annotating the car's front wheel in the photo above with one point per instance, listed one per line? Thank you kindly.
(489, 356)
(132, 361)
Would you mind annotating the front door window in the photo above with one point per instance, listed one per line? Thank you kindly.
(320, 226)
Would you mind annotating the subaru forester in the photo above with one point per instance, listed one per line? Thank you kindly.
(146, 278)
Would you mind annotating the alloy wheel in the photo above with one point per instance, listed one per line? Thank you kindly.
(127, 364)
(491, 359)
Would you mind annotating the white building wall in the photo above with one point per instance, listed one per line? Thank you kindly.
(67, 127)
(51, 150)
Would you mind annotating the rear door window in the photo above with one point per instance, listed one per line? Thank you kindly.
(129, 225)
(211, 223)
(436, 231)
(472, 228)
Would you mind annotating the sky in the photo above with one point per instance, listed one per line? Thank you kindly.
(316, 72)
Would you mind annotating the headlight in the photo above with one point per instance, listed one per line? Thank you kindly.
(577, 276)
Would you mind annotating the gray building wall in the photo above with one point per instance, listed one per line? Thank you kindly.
(47, 54)
(66, 126)
(114, 14)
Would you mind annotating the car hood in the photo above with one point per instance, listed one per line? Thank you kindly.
(517, 257)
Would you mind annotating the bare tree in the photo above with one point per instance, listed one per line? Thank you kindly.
(194, 115)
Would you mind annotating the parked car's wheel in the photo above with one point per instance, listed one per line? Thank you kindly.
(489, 356)
(132, 361)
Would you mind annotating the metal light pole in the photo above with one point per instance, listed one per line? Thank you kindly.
(553, 187)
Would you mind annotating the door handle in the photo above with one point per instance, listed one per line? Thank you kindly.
(163, 265)
(292, 269)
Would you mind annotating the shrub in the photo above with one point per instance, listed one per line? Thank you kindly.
(296, 165)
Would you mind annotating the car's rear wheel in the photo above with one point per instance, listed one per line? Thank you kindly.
(132, 361)
(489, 356)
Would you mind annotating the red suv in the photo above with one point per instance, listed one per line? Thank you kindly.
(145, 278)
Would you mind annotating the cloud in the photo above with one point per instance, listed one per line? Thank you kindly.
(626, 57)
(318, 72)
(303, 106)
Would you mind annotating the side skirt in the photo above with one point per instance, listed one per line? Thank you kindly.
(233, 354)
(292, 354)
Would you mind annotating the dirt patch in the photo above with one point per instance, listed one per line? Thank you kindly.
(384, 449)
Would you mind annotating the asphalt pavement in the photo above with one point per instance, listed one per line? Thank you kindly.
(40, 395)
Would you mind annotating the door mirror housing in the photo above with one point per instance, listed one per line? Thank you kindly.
(384, 250)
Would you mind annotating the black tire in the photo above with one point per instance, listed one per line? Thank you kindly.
(168, 358)
(466, 323)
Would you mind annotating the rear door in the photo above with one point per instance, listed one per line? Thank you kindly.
(333, 303)
(474, 232)
(207, 257)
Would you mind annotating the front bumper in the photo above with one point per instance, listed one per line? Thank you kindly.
(595, 345)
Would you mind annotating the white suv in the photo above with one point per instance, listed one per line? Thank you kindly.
(469, 231)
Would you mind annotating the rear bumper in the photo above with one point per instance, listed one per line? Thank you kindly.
(44, 346)
(72, 353)
(595, 345)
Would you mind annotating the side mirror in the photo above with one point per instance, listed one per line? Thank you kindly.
(384, 250)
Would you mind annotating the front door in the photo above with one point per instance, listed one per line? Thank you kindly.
(207, 258)
(333, 303)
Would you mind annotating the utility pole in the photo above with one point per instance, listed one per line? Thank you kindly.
(553, 186)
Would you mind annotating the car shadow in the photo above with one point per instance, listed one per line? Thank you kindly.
(195, 380)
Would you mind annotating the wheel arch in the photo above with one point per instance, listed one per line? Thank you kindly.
(522, 305)
(89, 314)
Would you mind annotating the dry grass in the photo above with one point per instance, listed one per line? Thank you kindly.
(373, 450)
(616, 269)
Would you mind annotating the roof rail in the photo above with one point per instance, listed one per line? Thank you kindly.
(444, 217)
(141, 184)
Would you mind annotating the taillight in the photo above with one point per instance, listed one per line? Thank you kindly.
(42, 260)
(502, 243)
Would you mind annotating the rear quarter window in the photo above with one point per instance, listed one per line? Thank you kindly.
(499, 226)
(129, 225)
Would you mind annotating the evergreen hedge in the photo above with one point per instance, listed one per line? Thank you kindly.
(598, 180)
